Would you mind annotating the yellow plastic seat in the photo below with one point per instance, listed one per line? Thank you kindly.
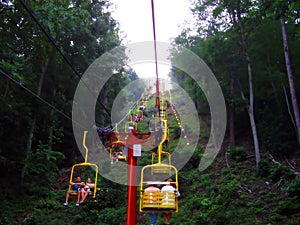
(151, 200)
(73, 193)
(158, 201)
(168, 200)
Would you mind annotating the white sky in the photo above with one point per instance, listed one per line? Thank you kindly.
(135, 19)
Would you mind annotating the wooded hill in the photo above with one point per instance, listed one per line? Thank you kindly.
(253, 50)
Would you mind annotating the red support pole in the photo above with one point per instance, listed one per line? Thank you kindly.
(131, 197)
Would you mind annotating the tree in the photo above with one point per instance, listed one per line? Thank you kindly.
(280, 9)
(231, 14)
(45, 47)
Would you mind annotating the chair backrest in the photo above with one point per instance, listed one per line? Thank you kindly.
(151, 197)
(168, 198)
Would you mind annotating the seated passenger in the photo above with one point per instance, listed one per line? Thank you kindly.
(153, 191)
(142, 107)
(121, 157)
(76, 187)
(88, 189)
(152, 200)
(139, 117)
(131, 125)
(169, 193)
(114, 156)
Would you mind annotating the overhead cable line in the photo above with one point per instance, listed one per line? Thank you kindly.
(41, 99)
(58, 49)
(155, 54)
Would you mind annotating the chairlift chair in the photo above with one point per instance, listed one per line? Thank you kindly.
(158, 201)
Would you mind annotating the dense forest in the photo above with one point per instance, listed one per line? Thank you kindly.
(252, 48)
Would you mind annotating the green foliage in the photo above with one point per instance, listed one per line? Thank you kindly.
(112, 216)
(264, 168)
(294, 188)
(229, 189)
(289, 206)
(84, 30)
(281, 172)
(41, 169)
(237, 154)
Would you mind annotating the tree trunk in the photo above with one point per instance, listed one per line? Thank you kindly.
(32, 128)
(231, 114)
(288, 104)
(250, 107)
(290, 77)
(51, 123)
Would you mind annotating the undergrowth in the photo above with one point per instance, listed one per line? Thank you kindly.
(233, 190)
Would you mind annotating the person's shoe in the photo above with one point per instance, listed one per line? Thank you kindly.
(77, 204)
(65, 204)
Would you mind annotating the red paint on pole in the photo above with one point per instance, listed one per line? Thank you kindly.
(131, 218)
(131, 196)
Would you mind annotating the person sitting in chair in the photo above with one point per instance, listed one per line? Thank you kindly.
(114, 156)
(152, 189)
(76, 187)
(88, 189)
(168, 188)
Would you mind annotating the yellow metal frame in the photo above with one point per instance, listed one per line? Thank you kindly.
(165, 137)
(160, 205)
(160, 152)
(145, 99)
(163, 104)
(139, 111)
(162, 109)
(161, 169)
(74, 193)
(84, 164)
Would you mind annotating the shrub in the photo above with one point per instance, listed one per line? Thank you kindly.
(294, 188)
(237, 154)
(264, 168)
(289, 206)
(281, 172)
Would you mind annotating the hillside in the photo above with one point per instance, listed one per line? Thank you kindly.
(230, 191)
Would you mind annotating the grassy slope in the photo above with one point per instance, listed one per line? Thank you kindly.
(230, 191)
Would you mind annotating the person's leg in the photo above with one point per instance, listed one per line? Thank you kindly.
(78, 196)
(169, 216)
(166, 218)
(155, 217)
(84, 195)
(152, 218)
(67, 196)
